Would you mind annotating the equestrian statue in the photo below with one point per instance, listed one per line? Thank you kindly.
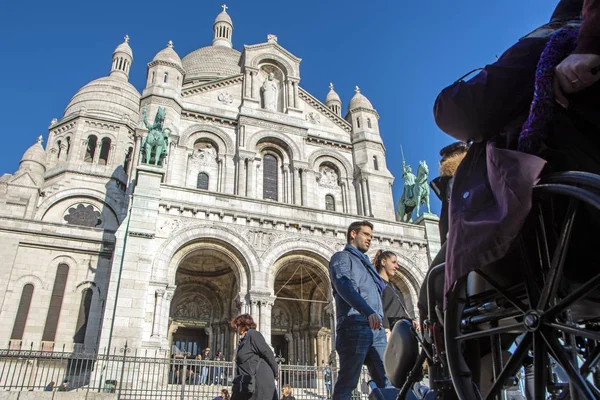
(415, 193)
(154, 147)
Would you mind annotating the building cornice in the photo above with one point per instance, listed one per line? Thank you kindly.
(336, 119)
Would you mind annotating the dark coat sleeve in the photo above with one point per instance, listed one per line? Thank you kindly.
(589, 35)
(481, 107)
(260, 347)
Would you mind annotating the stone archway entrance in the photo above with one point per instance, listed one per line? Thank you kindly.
(203, 303)
(301, 319)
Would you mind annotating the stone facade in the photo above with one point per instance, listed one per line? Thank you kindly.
(260, 182)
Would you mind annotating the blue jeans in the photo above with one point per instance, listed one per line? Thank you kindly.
(357, 344)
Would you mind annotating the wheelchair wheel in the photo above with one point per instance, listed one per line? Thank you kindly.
(538, 310)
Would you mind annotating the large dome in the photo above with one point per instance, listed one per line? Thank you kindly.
(107, 97)
(211, 62)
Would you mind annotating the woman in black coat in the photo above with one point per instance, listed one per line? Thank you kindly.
(255, 365)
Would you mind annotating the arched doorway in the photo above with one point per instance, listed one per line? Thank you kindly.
(301, 319)
(204, 302)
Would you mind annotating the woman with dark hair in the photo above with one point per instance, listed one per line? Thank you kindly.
(394, 309)
(224, 395)
(255, 365)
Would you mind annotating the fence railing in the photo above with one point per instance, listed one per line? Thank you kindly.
(146, 374)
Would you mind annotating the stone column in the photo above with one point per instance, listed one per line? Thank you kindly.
(97, 152)
(254, 312)
(255, 86)
(303, 187)
(290, 93)
(251, 184)
(363, 192)
(369, 204)
(209, 332)
(344, 197)
(219, 174)
(295, 95)
(265, 318)
(111, 157)
(310, 186)
(247, 83)
(297, 187)
(241, 176)
(158, 300)
(62, 151)
(164, 316)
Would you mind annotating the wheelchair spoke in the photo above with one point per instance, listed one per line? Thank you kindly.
(513, 328)
(586, 333)
(579, 293)
(542, 240)
(591, 362)
(512, 366)
(540, 368)
(516, 303)
(558, 259)
(559, 353)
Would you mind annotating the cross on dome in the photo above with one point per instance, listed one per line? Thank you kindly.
(330, 86)
(126, 38)
(357, 89)
(170, 44)
(40, 139)
(224, 7)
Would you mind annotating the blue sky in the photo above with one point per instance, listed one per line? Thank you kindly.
(400, 53)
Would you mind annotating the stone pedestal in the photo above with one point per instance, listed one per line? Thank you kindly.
(432, 233)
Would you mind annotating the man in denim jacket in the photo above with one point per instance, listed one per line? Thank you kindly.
(357, 291)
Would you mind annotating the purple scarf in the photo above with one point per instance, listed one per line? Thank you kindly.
(535, 130)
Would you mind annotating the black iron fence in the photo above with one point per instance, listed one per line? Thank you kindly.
(147, 374)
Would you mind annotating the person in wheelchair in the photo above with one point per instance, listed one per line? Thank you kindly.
(519, 133)
(511, 259)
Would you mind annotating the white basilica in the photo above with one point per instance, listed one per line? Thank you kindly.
(260, 182)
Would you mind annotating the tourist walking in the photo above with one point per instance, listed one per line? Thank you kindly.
(357, 289)
(255, 366)
(394, 308)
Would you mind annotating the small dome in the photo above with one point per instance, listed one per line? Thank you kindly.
(124, 48)
(107, 96)
(168, 54)
(35, 153)
(223, 17)
(359, 101)
(332, 95)
(211, 62)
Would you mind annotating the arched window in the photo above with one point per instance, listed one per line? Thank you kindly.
(153, 74)
(58, 292)
(104, 151)
(270, 177)
(68, 144)
(166, 77)
(369, 122)
(357, 122)
(202, 181)
(375, 164)
(58, 143)
(90, 151)
(22, 312)
(329, 203)
(83, 317)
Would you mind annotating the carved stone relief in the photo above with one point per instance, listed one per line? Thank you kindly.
(204, 155)
(313, 117)
(225, 98)
(329, 177)
(193, 307)
(279, 318)
(83, 215)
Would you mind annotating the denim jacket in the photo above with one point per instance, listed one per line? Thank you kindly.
(354, 290)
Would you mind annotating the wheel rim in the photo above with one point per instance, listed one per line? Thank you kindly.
(546, 330)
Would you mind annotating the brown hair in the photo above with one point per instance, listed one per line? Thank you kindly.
(380, 256)
(225, 392)
(355, 227)
(244, 321)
